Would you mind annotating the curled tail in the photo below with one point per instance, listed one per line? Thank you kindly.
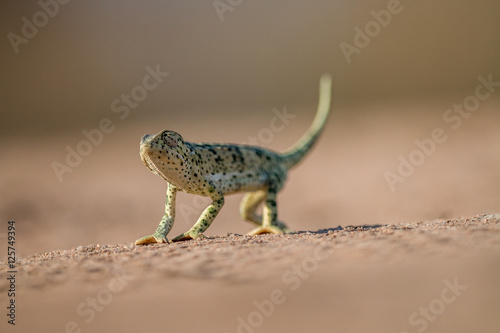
(294, 155)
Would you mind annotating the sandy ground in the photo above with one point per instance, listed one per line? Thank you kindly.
(436, 276)
(388, 272)
(420, 255)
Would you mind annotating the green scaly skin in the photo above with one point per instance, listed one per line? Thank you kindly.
(213, 170)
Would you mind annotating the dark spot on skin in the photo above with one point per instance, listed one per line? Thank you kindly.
(238, 156)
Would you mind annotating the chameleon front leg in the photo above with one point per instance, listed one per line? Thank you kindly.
(167, 221)
(207, 217)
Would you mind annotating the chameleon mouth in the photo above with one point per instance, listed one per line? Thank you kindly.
(152, 166)
(147, 148)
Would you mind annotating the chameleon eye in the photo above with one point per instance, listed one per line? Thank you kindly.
(170, 140)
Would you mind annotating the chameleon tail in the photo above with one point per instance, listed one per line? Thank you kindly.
(294, 155)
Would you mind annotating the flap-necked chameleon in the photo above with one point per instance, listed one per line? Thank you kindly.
(214, 170)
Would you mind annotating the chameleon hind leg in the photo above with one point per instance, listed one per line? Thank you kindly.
(166, 223)
(249, 204)
(267, 223)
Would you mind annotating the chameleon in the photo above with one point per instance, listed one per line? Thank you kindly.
(214, 170)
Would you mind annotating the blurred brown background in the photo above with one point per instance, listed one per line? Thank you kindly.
(225, 78)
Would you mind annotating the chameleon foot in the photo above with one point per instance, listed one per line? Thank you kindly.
(266, 230)
(284, 228)
(188, 235)
(151, 239)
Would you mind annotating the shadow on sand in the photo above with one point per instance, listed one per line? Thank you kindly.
(346, 228)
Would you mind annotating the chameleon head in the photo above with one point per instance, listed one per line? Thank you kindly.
(165, 153)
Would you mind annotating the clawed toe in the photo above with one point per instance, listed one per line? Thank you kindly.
(266, 230)
(151, 239)
(188, 236)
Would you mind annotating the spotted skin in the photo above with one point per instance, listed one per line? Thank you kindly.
(214, 170)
